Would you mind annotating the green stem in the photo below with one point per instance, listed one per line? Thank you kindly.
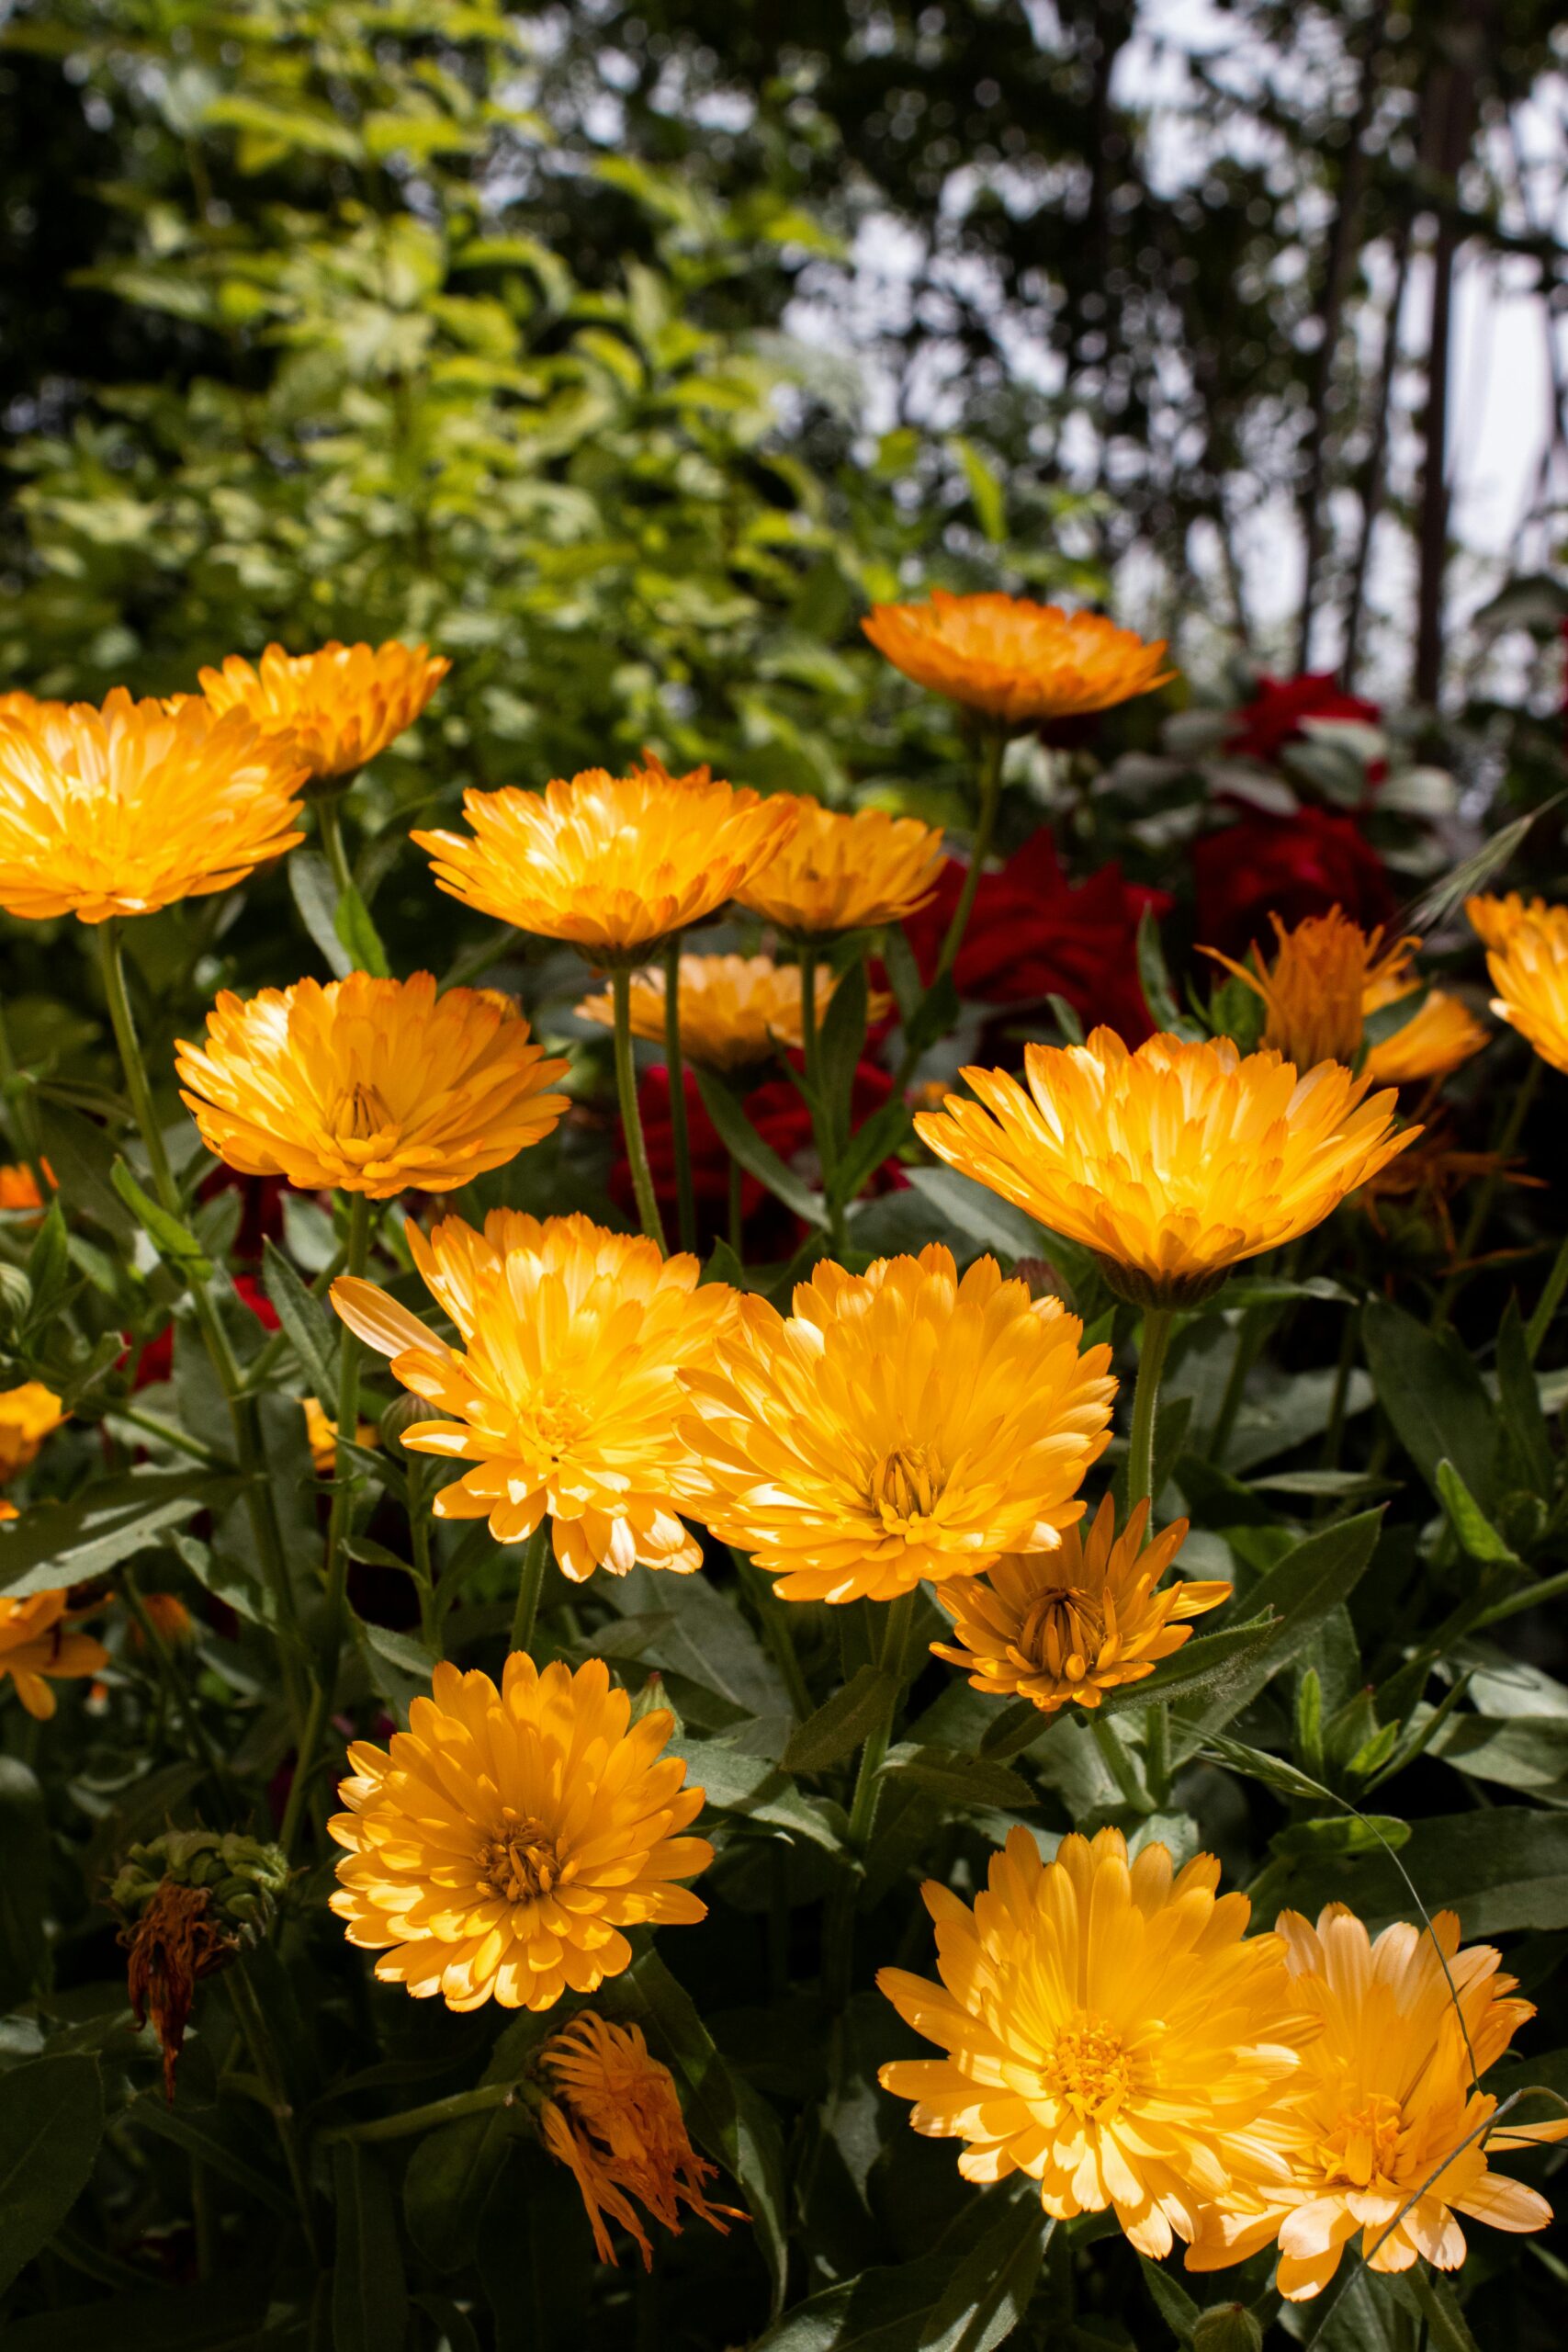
(530, 1584)
(174, 1683)
(1158, 1323)
(737, 1219)
(165, 1433)
(823, 1125)
(1513, 1126)
(988, 774)
(631, 1118)
(253, 2025)
(424, 1579)
(679, 1133)
(839, 1937)
(1551, 1299)
(425, 2118)
(780, 1633)
(1249, 1331)
(329, 823)
(1119, 1764)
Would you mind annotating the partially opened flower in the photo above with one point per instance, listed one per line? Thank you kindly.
(1172, 1163)
(122, 810)
(1016, 661)
(611, 864)
(374, 1086)
(564, 1391)
(899, 1424)
(1439, 1035)
(1372, 2130)
(614, 2118)
(736, 1011)
(40, 1644)
(1109, 2029)
(1529, 964)
(1074, 1623)
(28, 1414)
(844, 870)
(341, 706)
(500, 1846)
(1312, 991)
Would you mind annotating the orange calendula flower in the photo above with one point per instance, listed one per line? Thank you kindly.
(611, 864)
(899, 1424)
(39, 1644)
(565, 1393)
(1070, 1625)
(1440, 1033)
(1313, 990)
(169, 1616)
(1378, 2117)
(1529, 964)
(1174, 1162)
(613, 2118)
(1015, 660)
(1494, 920)
(502, 1843)
(736, 1010)
(27, 1415)
(320, 1436)
(341, 706)
(1109, 2029)
(372, 1086)
(840, 871)
(121, 810)
(18, 1187)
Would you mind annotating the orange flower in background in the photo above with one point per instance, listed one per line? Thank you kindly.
(369, 1085)
(611, 864)
(18, 1187)
(565, 1393)
(840, 871)
(169, 1617)
(736, 1010)
(1015, 660)
(39, 1644)
(1074, 1623)
(1313, 990)
(1527, 960)
(1440, 1034)
(122, 810)
(497, 1849)
(320, 1436)
(614, 2118)
(900, 1424)
(1377, 2117)
(341, 706)
(1494, 920)
(1109, 2029)
(28, 1414)
(1171, 1163)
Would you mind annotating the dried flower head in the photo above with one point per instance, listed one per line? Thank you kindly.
(341, 706)
(1015, 660)
(189, 1899)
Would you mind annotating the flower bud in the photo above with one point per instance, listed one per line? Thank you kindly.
(1227, 2327)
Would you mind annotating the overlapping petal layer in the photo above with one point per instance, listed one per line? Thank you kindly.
(1014, 660)
(342, 705)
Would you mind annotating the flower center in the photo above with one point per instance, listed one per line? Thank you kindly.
(1088, 2070)
(523, 1863)
(1064, 1632)
(1363, 2146)
(905, 1485)
(558, 1425)
(357, 1112)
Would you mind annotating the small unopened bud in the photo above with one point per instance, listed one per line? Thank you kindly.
(403, 1413)
(1227, 2327)
(1040, 1276)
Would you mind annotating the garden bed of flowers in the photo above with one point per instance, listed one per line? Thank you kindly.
(804, 1594)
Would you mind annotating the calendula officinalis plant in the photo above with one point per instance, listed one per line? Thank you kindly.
(708, 1637)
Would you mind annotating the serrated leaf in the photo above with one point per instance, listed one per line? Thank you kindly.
(173, 1241)
(55, 1545)
(838, 1728)
(310, 1329)
(974, 1782)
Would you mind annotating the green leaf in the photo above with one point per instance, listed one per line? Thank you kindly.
(24, 1883)
(1170, 2298)
(1154, 977)
(743, 1143)
(370, 2303)
(840, 1043)
(358, 933)
(1470, 1522)
(223, 2138)
(1209, 1663)
(962, 1783)
(49, 1263)
(989, 2292)
(934, 1015)
(836, 1729)
(174, 1242)
(55, 1545)
(899, 957)
(756, 1789)
(83, 1158)
(449, 2176)
(1503, 1869)
(1524, 1437)
(984, 488)
(1311, 1579)
(310, 1331)
(1066, 1017)
(1435, 1398)
(993, 1222)
(315, 894)
(882, 1135)
(968, 2295)
(1428, 2295)
(1349, 1832)
(51, 2119)
(231, 2317)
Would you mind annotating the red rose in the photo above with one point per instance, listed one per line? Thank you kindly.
(1261, 727)
(156, 1361)
(1292, 866)
(1032, 934)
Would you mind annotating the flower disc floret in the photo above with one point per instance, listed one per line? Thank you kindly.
(1016, 661)
(564, 1392)
(1173, 1162)
(375, 1086)
(342, 705)
(611, 864)
(899, 1424)
(498, 1847)
(1106, 2029)
(845, 870)
(122, 810)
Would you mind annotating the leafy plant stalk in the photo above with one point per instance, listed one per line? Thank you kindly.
(631, 1118)
(680, 1127)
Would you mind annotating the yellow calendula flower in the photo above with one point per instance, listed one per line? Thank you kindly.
(736, 1010)
(1174, 1162)
(1109, 2029)
(28, 1414)
(121, 810)
(373, 1086)
(342, 705)
(1440, 1034)
(320, 1436)
(1313, 989)
(1015, 660)
(900, 1424)
(499, 1847)
(18, 1187)
(565, 1393)
(611, 864)
(1494, 920)
(1377, 2118)
(840, 871)
(168, 1616)
(1070, 1625)
(1529, 964)
(40, 1644)
(613, 2117)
